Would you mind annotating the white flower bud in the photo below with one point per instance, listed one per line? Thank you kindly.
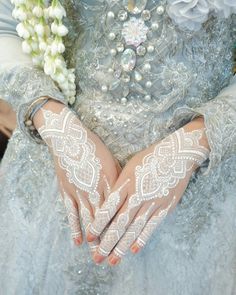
(39, 29)
(50, 12)
(22, 31)
(59, 62)
(43, 46)
(71, 77)
(54, 48)
(38, 11)
(48, 69)
(61, 78)
(71, 100)
(35, 46)
(54, 28)
(62, 30)
(61, 47)
(59, 12)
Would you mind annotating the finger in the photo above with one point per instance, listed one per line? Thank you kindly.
(73, 218)
(106, 213)
(5, 131)
(154, 221)
(115, 231)
(107, 188)
(132, 232)
(87, 217)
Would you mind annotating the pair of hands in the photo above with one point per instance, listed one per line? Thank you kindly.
(119, 209)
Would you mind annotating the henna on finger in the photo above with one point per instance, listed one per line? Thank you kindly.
(73, 218)
(108, 210)
(161, 171)
(133, 232)
(87, 218)
(153, 223)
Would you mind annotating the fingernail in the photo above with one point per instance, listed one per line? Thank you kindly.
(114, 260)
(78, 241)
(135, 249)
(91, 237)
(98, 258)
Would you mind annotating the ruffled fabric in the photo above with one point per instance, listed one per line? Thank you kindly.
(191, 14)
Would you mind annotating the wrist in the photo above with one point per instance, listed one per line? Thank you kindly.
(51, 105)
(198, 124)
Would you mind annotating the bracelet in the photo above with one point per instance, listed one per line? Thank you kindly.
(33, 108)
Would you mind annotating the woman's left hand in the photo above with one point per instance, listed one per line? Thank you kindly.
(149, 187)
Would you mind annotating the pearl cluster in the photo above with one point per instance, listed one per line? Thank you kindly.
(42, 29)
(138, 24)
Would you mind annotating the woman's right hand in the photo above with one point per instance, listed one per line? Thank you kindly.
(84, 166)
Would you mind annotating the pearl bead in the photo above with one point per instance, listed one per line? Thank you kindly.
(148, 84)
(160, 10)
(150, 48)
(32, 128)
(104, 88)
(110, 14)
(112, 36)
(147, 67)
(155, 26)
(113, 52)
(28, 123)
(147, 98)
(110, 70)
(124, 100)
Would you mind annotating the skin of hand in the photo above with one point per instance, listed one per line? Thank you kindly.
(128, 226)
(84, 166)
(7, 119)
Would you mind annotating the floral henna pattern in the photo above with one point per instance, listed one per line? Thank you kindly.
(75, 152)
(161, 171)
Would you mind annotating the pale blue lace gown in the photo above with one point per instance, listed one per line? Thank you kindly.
(174, 75)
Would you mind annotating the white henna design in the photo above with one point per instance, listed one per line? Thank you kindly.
(86, 220)
(107, 212)
(73, 217)
(152, 224)
(108, 187)
(75, 152)
(133, 232)
(161, 171)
